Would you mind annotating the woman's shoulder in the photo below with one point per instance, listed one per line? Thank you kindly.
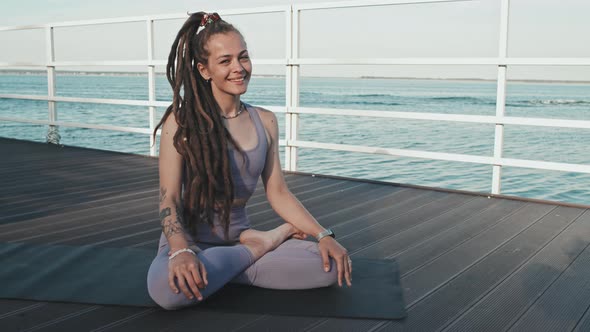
(269, 121)
(170, 122)
(261, 110)
(266, 115)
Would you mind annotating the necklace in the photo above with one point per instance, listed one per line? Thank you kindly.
(242, 108)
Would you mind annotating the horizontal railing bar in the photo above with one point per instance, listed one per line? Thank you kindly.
(141, 63)
(336, 61)
(132, 19)
(545, 122)
(91, 126)
(23, 27)
(138, 63)
(257, 10)
(490, 119)
(546, 61)
(544, 165)
(80, 125)
(352, 4)
(89, 100)
(115, 20)
(444, 61)
(24, 64)
(394, 152)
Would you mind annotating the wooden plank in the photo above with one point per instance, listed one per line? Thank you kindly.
(442, 290)
(75, 218)
(65, 200)
(259, 204)
(57, 192)
(87, 320)
(286, 323)
(366, 234)
(584, 323)
(31, 318)
(504, 305)
(327, 205)
(309, 197)
(346, 222)
(431, 248)
(9, 307)
(426, 229)
(77, 163)
(185, 320)
(80, 205)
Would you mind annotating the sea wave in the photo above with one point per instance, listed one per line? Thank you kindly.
(559, 102)
(547, 102)
(350, 103)
(460, 99)
(346, 94)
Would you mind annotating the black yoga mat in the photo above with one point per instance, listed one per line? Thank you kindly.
(117, 276)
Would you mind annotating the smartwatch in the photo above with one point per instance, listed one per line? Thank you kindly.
(327, 232)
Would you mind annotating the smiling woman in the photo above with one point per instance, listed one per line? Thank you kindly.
(213, 150)
(230, 70)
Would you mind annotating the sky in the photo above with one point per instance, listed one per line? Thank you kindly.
(538, 28)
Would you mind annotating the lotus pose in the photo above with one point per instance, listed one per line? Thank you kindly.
(213, 150)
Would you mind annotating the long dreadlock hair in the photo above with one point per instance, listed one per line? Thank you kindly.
(201, 137)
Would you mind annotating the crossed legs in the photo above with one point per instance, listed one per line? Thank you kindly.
(262, 259)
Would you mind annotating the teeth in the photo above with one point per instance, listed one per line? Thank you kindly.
(238, 80)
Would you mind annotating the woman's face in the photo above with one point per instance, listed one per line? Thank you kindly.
(229, 66)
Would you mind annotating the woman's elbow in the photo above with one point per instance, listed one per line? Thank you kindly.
(277, 195)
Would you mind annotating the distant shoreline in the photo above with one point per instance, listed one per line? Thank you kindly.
(135, 74)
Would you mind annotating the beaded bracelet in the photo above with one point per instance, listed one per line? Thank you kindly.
(180, 251)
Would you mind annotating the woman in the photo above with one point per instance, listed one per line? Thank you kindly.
(213, 149)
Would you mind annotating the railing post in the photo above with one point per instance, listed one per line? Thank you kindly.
(53, 136)
(292, 88)
(500, 98)
(151, 84)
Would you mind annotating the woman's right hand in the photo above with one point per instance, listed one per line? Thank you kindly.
(190, 275)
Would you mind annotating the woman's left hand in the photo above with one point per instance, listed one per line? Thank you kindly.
(331, 248)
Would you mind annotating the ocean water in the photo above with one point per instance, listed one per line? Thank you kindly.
(545, 100)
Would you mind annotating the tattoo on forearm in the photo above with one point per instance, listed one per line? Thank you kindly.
(163, 214)
(179, 215)
(162, 194)
(170, 226)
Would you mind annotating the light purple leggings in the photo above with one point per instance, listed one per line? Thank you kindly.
(295, 264)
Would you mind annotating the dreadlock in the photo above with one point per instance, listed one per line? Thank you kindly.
(201, 138)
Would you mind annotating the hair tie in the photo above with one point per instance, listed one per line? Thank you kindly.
(209, 18)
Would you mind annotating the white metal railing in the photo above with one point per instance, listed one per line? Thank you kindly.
(292, 110)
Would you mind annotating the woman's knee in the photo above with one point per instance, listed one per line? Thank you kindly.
(160, 291)
(166, 301)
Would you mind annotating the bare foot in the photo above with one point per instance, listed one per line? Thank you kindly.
(259, 243)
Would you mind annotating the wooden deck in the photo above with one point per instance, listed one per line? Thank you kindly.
(468, 262)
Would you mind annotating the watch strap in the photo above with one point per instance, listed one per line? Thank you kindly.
(323, 234)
